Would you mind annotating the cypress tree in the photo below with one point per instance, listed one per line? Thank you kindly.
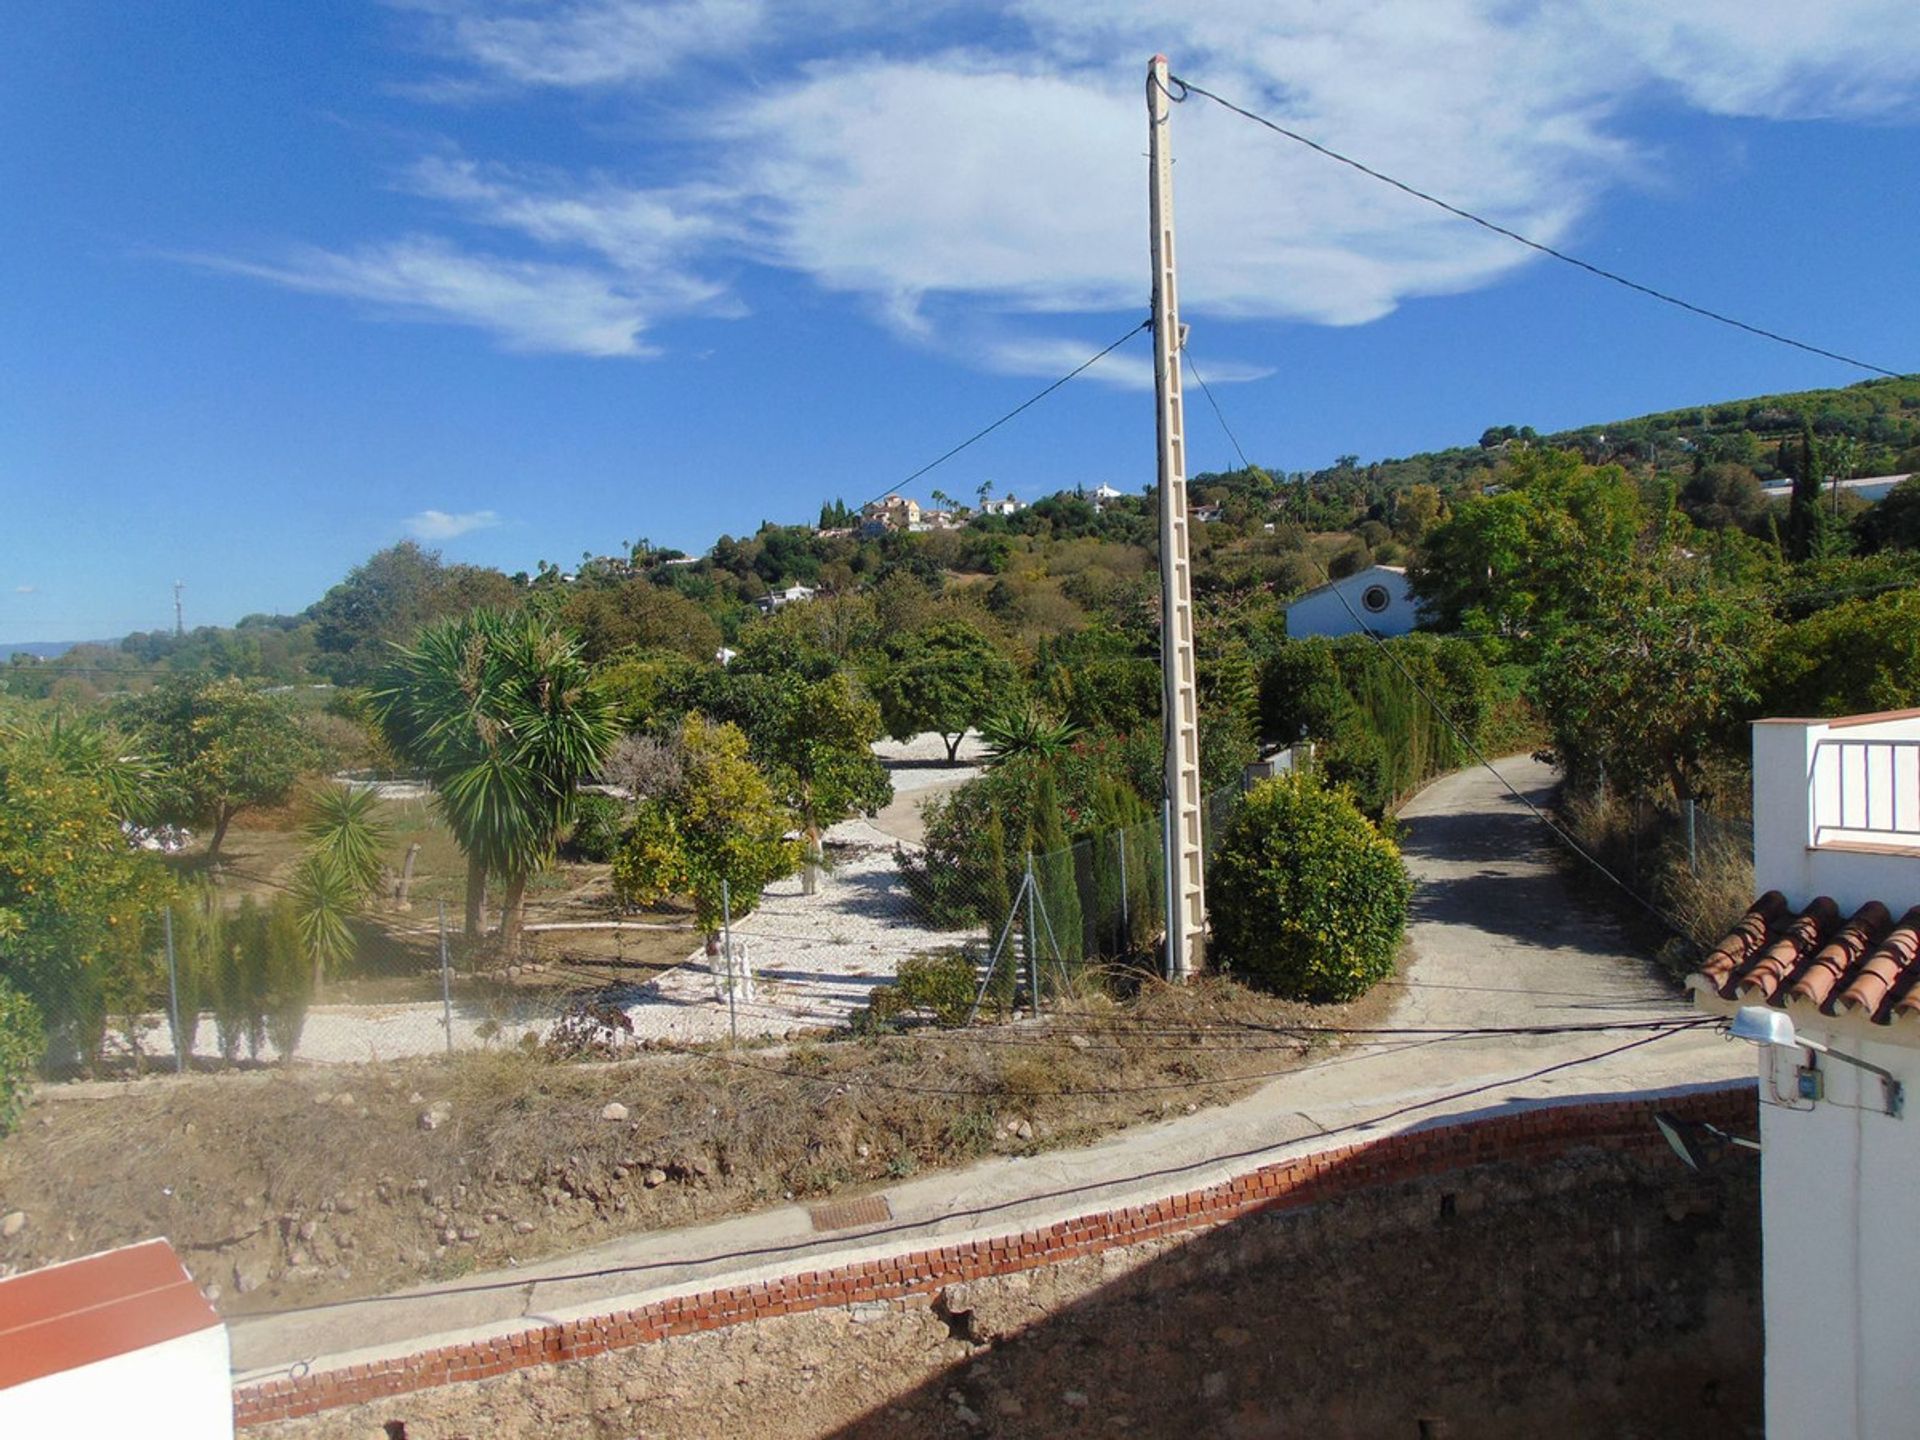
(1053, 873)
(288, 976)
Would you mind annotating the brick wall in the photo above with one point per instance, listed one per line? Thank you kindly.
(1535, 1134)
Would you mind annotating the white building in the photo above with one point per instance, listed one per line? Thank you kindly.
(1102, 495)
(793, 594)
(120, 1343)
(1005, 505)
(1375, 599)
(1867, 487)
(1822, 971)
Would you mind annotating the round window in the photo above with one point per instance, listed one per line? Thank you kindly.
(1376, 599)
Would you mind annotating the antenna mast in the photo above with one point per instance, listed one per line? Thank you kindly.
(1186, 879)
(179, 615)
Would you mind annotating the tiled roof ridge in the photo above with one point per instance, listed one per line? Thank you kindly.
(1867, 965)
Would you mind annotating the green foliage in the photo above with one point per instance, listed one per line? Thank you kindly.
(1526, 561)
(74, 899)
(599, 827)
(388, 598)
(945, 678)
(500, 713)
(288, 977)
(343, 827)
(23, 1044)
(1855, 658)
(1307, 898)
(723, 826)
(1059, 932)
(1647, 696)
(326, 899)
(1025, 731)
(1894, 523)
(222, 746)
(942, 984)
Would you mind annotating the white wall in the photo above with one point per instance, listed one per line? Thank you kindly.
(177, 1390)
(1796, 801)
(1320, 612)
(1842, 1274)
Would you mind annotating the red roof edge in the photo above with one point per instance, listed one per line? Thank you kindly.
(83, 1311)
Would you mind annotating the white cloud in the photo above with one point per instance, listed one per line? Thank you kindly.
(442, 525)
(25, 589)
(529, 305)
(950, 188)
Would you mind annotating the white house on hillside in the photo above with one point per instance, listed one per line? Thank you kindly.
(793, 594)
(1375, 599)
(1821, 973)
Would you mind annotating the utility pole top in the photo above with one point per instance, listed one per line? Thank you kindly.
(179, 615)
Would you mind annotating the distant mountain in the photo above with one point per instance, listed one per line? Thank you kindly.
(44, 649)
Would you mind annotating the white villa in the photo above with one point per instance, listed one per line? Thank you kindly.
(1375, 600)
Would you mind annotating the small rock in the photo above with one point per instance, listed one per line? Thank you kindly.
(248, 1276)
(297, 1259)
(866, 1312)
(469, 1233)
(1024, 1130)
(1074, 1399)
(655, 1177)
(449, 1236)
(523, 1227)
(345, 1100)
(1010, 1405)
(416, 1098)
(613, 1110)
(346, 1204)
(14, 1222)
(513, 972)
(308, 1229)
(323, 1097)
(1079, 1042)
(863, 1150)
(212, 1292)
(966, 1417)
(1214, 1386)
(432, 1118)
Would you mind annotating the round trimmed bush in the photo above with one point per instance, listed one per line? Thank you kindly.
(1308, 899)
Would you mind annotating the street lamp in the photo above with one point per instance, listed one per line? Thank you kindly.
(1764, 1025)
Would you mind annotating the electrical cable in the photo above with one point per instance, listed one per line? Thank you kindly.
(1188, 87)
(1026, 404)
(762, 1252)
(1467, 742)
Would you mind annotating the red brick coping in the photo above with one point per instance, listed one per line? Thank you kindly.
(1535, 1134)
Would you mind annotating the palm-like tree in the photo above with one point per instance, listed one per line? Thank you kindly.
(499, 713)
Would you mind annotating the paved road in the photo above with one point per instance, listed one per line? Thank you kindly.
(1497, 939)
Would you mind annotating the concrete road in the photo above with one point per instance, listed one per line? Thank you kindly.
(1498, 940)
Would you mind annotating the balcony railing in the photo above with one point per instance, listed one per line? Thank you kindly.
(1866, 792)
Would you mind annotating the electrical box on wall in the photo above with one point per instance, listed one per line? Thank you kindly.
(1809, 1083)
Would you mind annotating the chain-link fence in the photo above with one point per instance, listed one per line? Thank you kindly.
(230, 974)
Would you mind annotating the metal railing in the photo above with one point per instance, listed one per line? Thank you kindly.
(1866, 791)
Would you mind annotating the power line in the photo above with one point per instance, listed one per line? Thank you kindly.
(979, 1212)
(1188, 87)
(1028, 403)
(1467, 742)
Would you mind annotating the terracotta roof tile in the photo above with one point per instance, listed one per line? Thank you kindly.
(1866, 966)
(82, 1311)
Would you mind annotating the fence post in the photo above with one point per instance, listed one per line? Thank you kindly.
(1126, 913)
(1033, 945)
(726, 933)
(173, 996)
(446, 982)
(1693, 849)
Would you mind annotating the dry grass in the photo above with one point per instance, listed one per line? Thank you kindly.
(325, 1197)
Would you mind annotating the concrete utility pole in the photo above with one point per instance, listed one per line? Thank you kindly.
(1186, 887)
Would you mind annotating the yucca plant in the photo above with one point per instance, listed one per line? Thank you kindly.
(343, 826)
(1026, 731)
(500, 714)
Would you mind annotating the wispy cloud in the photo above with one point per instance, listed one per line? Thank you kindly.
(444, 525)
(1003, 178)
(530, 305)
(25, 589)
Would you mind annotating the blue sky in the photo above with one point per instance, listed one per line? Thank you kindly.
(284, 284)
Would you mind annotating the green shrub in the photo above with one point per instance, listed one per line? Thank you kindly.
(599, 827)
(23, 1044)
(943, 984)
(1308, 898)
